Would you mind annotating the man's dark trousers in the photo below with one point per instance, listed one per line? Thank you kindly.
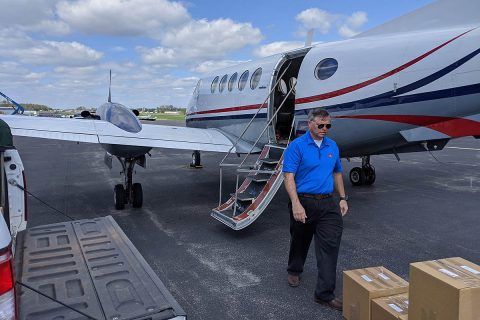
(324, 222)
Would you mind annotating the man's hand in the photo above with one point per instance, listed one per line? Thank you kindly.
(299, 212)
(343, 207)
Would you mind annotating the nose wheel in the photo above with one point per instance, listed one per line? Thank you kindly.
(364, 175)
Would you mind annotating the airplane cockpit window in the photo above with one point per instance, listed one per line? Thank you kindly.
(214, 84)
(222, 84)
(282, 87)
(326, 68)
(232, 81)
(293, 84)
(243, 80)
(257, 74)
(122, 117)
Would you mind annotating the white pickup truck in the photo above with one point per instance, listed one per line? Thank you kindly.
(82, 269)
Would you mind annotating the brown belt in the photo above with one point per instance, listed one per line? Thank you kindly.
(315, 196)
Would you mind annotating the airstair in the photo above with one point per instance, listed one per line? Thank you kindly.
(262, 177)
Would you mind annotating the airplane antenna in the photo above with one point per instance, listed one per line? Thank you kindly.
(308, 40)
(109, 88)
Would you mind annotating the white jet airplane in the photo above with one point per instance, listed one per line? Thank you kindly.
(409, 85)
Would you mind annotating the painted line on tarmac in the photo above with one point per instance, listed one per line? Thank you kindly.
(463, 148)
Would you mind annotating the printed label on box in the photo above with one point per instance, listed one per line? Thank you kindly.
(395, 307)
(470, 269)
(366, 278)
(383, 276)
(448, 273)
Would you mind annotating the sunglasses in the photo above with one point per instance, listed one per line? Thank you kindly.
(323, 125)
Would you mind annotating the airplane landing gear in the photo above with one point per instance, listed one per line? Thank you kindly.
(129, 192)
(364, 175)
(196, 161)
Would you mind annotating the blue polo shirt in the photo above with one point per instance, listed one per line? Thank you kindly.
(313, 166)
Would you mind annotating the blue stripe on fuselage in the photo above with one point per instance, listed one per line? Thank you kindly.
(390, 101)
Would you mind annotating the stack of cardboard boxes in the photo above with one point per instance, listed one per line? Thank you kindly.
(446, 289)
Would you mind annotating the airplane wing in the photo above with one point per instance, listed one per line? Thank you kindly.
(103, 132)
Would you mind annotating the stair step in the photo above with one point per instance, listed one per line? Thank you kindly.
(245, 197)
(261, 177)
(269, 160)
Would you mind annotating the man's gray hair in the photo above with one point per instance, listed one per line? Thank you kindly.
(318, 112)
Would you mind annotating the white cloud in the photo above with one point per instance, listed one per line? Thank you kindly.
(323, 21)
(318, 19)
(16, 45)
(277, 47)
(357, 19)
(56, 53)
(217, 38)
(212, 65)
(122, 17)
(352, 24)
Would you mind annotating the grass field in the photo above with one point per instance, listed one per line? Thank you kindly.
(162, 116)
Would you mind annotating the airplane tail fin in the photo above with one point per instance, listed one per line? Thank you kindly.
(437, 15)
(109, 88)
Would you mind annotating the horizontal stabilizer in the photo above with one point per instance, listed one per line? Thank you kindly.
(103, 132)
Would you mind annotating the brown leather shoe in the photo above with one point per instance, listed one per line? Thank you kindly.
(293, 281)
(336, 303)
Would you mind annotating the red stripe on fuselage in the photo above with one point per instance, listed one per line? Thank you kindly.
(357, 86)
(241, 108)
(453, 127)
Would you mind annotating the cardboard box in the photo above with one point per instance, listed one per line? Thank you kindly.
(362, 285)
(390, 308)
(446, 289)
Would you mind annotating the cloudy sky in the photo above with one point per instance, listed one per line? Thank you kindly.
(58, 52)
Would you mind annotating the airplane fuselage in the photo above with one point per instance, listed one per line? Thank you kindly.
(377, 89)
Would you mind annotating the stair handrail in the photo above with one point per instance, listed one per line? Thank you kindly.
(256, 113)
(268, 123)
(221, 165)
(253, 147)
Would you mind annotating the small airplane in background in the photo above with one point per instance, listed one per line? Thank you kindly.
(409, 85)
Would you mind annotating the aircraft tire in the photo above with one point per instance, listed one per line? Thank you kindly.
(119, 197)
(196, 161)
(357, 176)
(370, 175)
(137, 193)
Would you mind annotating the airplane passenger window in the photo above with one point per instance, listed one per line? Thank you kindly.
(282, 87)
(293, 84)
(326, 68)
(232, 80)
(255, 78)
(222, 84)
(214, 84)
(243, 80)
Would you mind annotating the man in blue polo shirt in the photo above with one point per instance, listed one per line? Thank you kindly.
(312, 170)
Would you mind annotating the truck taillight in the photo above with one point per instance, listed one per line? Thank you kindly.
(7, 290)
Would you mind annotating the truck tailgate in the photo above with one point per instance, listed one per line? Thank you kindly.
(92, 266)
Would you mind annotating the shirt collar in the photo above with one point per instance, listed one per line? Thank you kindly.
(310, 140)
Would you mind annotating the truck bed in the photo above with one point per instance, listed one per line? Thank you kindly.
(91, 266)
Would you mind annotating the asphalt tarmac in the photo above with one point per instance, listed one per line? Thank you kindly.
(419, 209)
